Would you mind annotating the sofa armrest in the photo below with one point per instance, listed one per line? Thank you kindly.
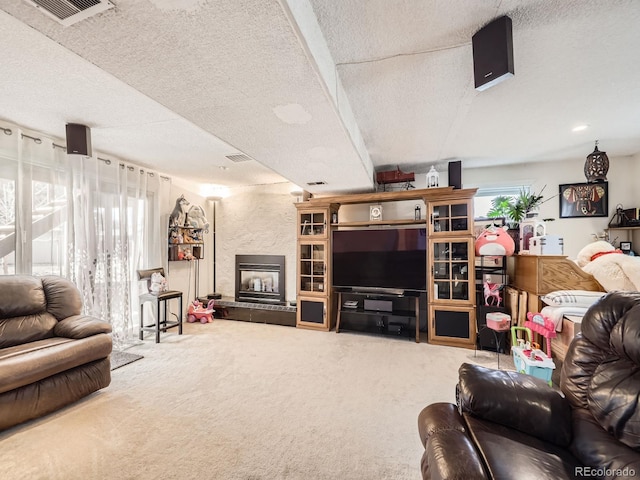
(449, 452)
(515, 400)
(80, 326)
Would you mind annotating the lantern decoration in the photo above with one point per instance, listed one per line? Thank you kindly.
(433, 178)
(596, 166)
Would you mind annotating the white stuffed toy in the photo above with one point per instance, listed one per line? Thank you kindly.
(158, 283)
(197, 219)
(610, 267)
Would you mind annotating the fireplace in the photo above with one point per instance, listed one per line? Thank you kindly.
(260, 279)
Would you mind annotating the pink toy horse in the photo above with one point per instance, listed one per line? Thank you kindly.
(492, 290)
(198, 312)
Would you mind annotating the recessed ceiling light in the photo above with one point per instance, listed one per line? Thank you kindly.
(579, 128)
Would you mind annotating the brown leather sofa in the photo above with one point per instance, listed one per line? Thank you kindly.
(508, 425)
(50, 354)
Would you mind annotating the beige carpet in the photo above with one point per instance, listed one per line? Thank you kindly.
(235, 400)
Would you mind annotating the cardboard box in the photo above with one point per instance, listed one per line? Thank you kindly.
(546, 245)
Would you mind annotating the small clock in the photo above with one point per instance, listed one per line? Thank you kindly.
(375, 212)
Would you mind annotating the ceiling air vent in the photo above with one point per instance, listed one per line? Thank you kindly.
(240, 157)
(68, 12)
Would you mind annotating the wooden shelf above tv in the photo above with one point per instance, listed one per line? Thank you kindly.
(426, 194)
(381, 223)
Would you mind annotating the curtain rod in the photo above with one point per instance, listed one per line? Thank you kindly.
(8, 131)
(35, 139)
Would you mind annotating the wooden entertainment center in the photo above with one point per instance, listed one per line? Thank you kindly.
(450, 298)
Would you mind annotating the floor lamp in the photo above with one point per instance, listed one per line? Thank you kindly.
(214, 201)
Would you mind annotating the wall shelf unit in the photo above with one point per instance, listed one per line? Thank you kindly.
(185, 243)
(450, 314)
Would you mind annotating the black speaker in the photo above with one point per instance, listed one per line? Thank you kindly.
(78, 139)
(455, 174)
(493, 53)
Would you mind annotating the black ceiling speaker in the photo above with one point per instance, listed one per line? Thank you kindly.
(493, 53)
(78, 139)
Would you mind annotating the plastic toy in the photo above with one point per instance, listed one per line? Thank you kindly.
(529, 358)
(492, 290)
(538, 323)
(197, 312)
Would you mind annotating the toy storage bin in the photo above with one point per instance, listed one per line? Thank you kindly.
(498, 321)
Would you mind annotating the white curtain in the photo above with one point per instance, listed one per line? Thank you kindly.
(91, 219)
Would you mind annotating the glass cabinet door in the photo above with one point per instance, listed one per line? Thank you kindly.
(313, 224)
(312, 267)
(450, 218)
(450, 270)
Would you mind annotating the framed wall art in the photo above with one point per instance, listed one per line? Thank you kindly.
(579, 200)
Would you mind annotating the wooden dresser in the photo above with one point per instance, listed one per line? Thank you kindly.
(538, 275)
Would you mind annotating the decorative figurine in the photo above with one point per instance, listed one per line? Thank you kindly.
(433, 178)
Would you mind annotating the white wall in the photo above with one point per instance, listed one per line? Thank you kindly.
(261, 219)
(257, 220)
(576, 232)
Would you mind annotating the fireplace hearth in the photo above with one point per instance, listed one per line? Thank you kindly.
(260, 279)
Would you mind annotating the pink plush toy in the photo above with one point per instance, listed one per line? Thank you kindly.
(495, 241)
(198, 312)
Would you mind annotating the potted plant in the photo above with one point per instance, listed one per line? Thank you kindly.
(515, 210)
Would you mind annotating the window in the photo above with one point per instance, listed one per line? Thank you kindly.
(7, 226)
(483, 201)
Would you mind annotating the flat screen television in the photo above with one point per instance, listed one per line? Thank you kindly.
(385, 259)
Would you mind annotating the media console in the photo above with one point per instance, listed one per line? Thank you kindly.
(379, 312)
(447, 307)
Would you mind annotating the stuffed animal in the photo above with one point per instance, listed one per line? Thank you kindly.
(495, 241)
(197, 312)
(196, 218)
(179, 215)
(610, 267)
(158, 283)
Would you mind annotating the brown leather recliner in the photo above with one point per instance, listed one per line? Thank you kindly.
(50, 354)
(509, 425)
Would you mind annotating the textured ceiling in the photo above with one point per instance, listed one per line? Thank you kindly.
(325, 90)
(576, 62)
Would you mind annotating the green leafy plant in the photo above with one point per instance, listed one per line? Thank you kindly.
(514, 210)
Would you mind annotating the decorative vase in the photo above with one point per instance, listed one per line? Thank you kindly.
(515, 234)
